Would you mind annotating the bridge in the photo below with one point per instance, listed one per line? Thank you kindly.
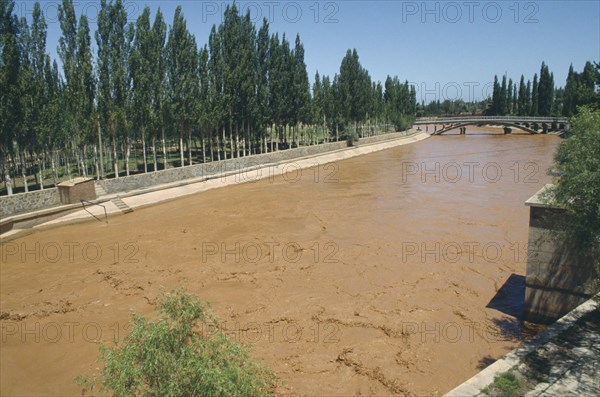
(533, 125)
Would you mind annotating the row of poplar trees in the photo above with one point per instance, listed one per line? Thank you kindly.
(151, 91)
(541, 98)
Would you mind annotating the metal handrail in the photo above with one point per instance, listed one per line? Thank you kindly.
(100, 205)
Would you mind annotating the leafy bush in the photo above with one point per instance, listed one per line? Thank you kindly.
(578, 190)
(177, 356)
(505, 384)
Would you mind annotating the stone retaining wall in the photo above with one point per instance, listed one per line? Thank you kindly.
(143, 181)
(26, 202)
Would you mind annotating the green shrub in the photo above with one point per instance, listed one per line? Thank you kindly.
(505, 384)
(578, 190)
(177, 356)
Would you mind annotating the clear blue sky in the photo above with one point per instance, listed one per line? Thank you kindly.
(447, 48)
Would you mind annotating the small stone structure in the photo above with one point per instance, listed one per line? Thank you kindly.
(558, 277)
(78, 189)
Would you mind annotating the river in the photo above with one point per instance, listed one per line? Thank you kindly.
(373, 275)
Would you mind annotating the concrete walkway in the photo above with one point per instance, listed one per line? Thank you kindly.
(564, 360)
(117, 204)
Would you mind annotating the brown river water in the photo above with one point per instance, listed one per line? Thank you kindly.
(370, 276)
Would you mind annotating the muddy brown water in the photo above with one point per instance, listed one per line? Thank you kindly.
(367, 276)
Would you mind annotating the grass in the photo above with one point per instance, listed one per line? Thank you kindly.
(506, 384)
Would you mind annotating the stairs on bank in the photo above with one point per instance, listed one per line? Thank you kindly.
(99, 190)
(124, 208)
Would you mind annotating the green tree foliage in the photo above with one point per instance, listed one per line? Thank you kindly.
(400, 103)
(148, 84)
(533, 111)
(496, 108)
(522, 99)
(503, 100)
(10, 70)
(545, 91)
(543, 98)
(509, 98)
(140, 66)
(263, 113)
(578, 190)
(183, 80)
(113, 75)
(580, 89)
(183, 353)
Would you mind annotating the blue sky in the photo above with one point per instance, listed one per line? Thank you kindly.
(448, 49)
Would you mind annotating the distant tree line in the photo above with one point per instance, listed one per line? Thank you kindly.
(542, 98)
(450, 107)
(151, 97)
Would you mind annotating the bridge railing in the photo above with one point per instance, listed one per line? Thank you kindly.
(516, 119)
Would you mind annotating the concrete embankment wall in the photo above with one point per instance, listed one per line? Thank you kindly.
(48, 198)
(559, 277)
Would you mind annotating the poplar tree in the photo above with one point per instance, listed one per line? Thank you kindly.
(503, 102)
(10, 66)
(509, 98)
(263, 112)
(113, 76)
(301, 87)
(534, 97)
(158, 86)
(182, 69)
(203, 110)
(215, 67)
(545, 91)
(140, 64)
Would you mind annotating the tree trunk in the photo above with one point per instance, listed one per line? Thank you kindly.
(24, 172)
(144, 150)
(100, 149)
(68, 164)
(82, 161)
(154, 154)
(164, 147)
(266, 148)
(127, 153)
(114, 157)
(96, 162)
(231, 148)
(181, 148)
(225, 145)
(189, 146)
(7, 179)
(211, 143)
(218, 144)
(53, 165)
(41, 169)
(77, 161)
(237, 140)
(203, 147)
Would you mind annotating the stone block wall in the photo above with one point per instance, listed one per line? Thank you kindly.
(27, 202)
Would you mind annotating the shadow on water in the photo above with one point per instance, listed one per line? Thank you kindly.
(510, 300)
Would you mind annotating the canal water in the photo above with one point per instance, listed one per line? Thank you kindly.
(398, 272)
